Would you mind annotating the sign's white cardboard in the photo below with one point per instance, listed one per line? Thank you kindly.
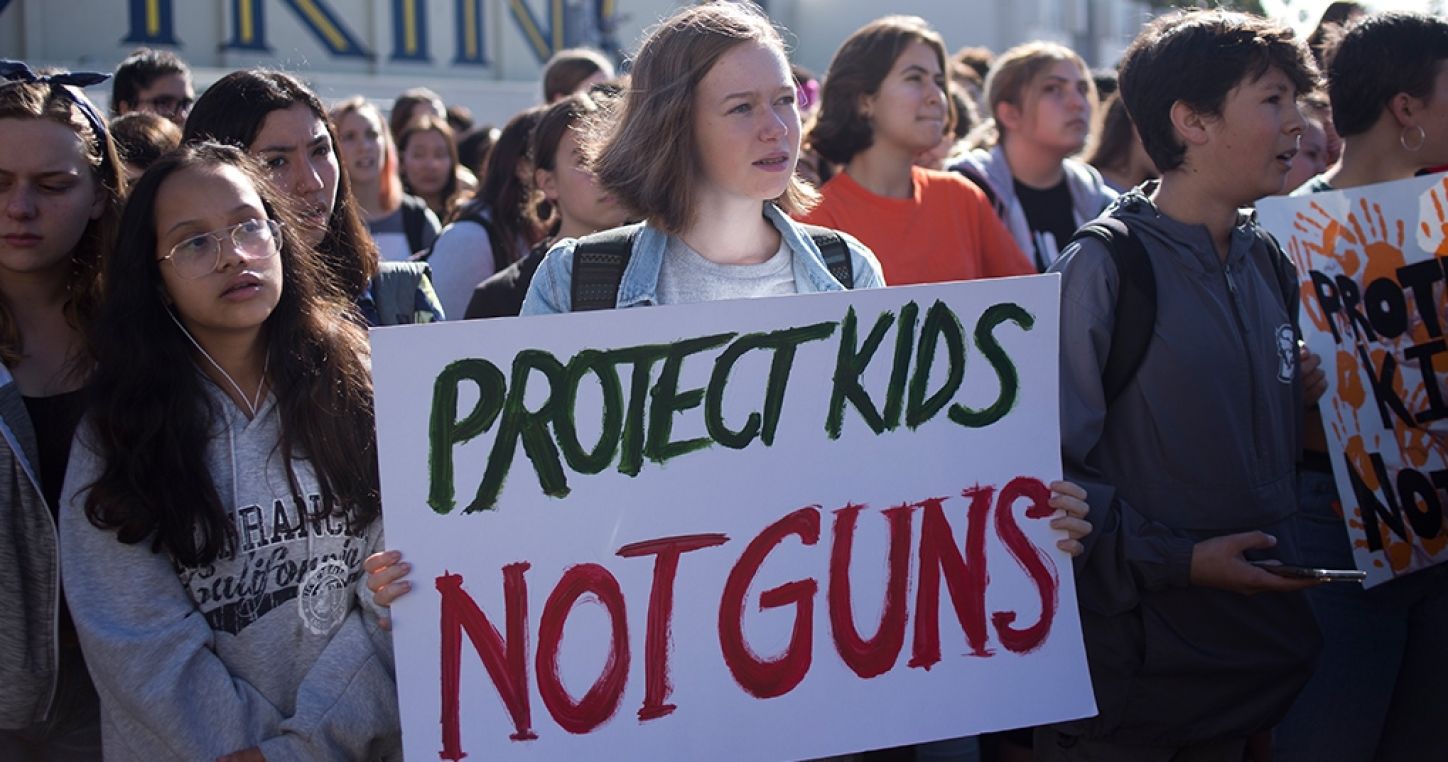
(749, 665)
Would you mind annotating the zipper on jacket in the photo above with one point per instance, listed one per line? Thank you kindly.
(1251, 365)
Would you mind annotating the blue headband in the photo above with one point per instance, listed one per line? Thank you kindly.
(17, 71)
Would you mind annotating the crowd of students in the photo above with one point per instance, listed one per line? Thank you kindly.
(185, 395)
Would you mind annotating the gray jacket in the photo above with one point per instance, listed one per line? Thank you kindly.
(30, 585)
(1201, 443)
(1090, 194)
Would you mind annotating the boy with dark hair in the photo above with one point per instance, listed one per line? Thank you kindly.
(156, 81)
(1189, 463)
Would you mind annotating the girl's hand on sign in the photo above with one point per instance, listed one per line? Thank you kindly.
(1069, 500)
(385, 572)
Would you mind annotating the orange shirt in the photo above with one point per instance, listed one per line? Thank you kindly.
(946, 231)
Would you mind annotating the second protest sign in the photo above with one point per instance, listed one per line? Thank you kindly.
(773, 528)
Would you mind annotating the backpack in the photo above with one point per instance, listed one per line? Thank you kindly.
(599, 261)
(1136, 298)
(978, 180)
(394, 290)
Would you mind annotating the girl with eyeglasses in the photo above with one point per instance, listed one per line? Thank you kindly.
(223, 492)
(60, 190)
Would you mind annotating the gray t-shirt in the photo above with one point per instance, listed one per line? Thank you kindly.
(685, 277)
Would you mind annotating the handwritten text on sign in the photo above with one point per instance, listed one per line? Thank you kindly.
(1371, 261)
(713, 531)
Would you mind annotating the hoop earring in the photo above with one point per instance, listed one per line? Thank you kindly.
(1403, 141)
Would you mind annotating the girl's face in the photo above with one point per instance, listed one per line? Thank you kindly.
(575, 190)
(48, 192)
(359, 136)
(427, 162)
(909, 110)
(218, 258)
(746, 124)
(294, 144)
(1056, 116)
(1311, 158)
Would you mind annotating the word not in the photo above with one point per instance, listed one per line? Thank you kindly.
(1412, 495)
(1383, 312)
(963, 570)
(640, 424)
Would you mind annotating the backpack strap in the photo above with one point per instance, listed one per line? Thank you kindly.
(979, 181)
(394, 290)
(1135, 302)
(414, 217)
(598, 264)
(835, 252)
(476, 215)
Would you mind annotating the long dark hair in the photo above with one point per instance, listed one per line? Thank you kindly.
(233, 110)
(58, 103)
(505, 194)
(150, 414)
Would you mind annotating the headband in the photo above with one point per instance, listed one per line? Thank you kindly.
(17, 71)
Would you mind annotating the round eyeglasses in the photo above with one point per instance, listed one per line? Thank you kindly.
(199, 255)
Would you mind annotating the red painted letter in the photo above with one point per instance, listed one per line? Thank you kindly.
(875, 656)
(965, 577)
(601, 700)
(666, 552)
(1036, 564)
(506, 662)
(763, 678)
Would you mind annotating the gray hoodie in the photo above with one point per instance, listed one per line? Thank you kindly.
(276, 646)
(1089, 193)
(1201, 443)
(30, 588)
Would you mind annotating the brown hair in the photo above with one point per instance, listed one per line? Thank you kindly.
(409, 99)
(142, 137)
(568, 68)
(389, 186)
(649, 157)
(58, 103)
(1012, 73)
(864, 59)
(430, 123)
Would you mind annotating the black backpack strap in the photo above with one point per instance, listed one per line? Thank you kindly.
(414, 217)
(598, 264)
(979, 181)
(1286, 274)
(834, 251)
(1135, 302)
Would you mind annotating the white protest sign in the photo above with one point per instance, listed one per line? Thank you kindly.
(762, 529)
(1370, 264)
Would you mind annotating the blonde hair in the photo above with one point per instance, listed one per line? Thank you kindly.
(389, 185)
(1011, 73)
(648, 157)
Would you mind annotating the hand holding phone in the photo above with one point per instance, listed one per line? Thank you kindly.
(1305, 572)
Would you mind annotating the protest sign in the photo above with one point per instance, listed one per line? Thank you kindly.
(760, 529)
(1370, 263)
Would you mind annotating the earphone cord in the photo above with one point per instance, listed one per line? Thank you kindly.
(252, 404)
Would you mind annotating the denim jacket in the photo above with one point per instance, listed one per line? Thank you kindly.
(551, 290)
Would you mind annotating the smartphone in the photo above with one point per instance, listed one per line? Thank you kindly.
(1304, 572)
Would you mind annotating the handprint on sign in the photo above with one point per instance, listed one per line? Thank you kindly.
(1384, 254)
(1434, 236)
(1328, 232)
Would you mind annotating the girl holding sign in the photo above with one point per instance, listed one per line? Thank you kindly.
(1383, 658)
(715, 197)
(60, 189)
(223, 490)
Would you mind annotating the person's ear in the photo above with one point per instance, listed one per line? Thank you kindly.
(1189, 124)
(1009, 115)
(866, 107)
(547, 183)
(1405, 110)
